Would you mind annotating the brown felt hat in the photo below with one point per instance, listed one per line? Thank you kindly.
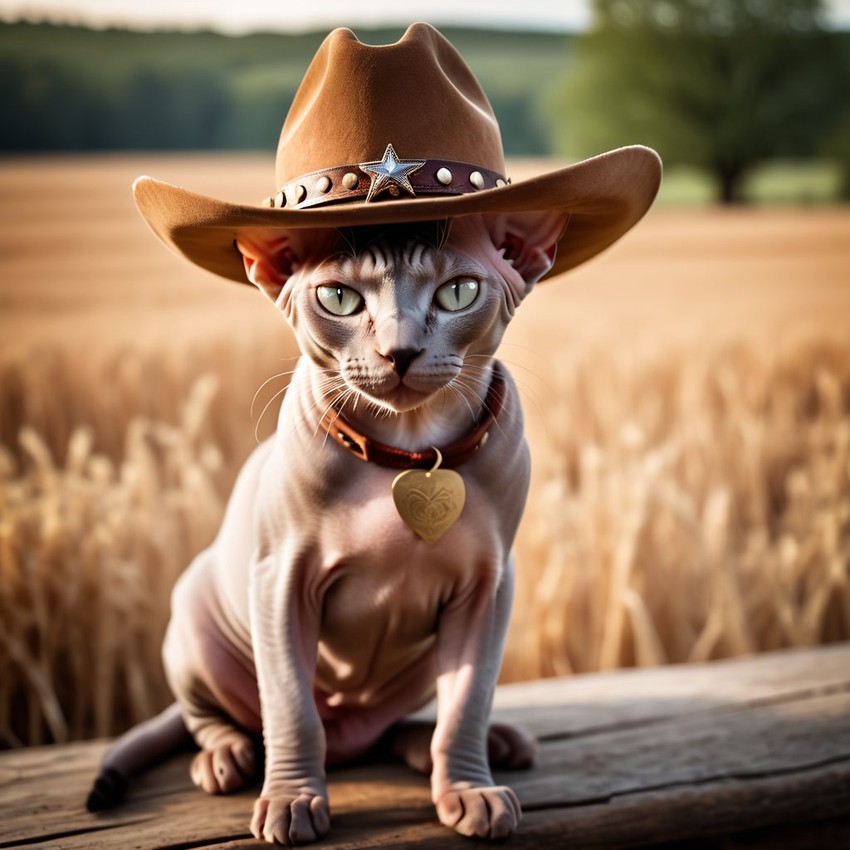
(400, 133)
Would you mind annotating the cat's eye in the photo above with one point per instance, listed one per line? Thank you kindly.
(457, 294)
(339, 300)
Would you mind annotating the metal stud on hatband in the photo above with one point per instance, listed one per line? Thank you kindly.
(477, 179)
(323, 184)
(444, 176)
(500, 183)
(300, 193)
(267, 202)
(350, 180)
(280, 199)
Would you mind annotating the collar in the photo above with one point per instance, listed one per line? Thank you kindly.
(454, 454)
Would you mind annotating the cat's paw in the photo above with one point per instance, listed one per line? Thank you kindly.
(290, 819)
(492, 812)
(225, 768)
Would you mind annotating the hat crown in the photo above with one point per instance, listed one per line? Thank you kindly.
(417, 94)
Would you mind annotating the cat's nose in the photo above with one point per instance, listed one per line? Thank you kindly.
(401, 358)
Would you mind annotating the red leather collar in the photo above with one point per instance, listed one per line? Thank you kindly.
(454, 454)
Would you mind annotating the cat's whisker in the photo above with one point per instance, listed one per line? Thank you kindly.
(350, 393)
(332, 388)
(385, 412)
(526, 348)
(326, 388)
(474, 379)
(268, 381)
(338, 395)
(540, 369)
(319, 421)
(265, 383)
(450, 386)
(483, 372)
(338, 402)
(528, 387)
(515, 364)
(286, 374)
(465, 389)
(531, 389)
(280, 392)
(333, 391)
(443, 236)
(343, 235)
(483, 400)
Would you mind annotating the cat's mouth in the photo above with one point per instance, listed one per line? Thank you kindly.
(400, 395)
(403, 397)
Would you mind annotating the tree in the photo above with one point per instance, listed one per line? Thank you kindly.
(718, 84)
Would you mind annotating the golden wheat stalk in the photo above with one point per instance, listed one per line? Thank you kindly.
(695, 507)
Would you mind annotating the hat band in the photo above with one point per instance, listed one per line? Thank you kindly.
(345, 183)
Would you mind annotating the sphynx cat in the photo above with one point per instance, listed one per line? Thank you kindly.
(318, 619)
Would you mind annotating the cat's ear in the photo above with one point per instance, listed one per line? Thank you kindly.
(528, 240)
(269, 261)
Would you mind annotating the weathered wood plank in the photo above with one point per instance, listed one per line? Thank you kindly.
(741, 743)
(579, 705)
(699, 811)
(758, 748)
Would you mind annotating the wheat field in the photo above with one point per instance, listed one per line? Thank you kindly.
(687, 400)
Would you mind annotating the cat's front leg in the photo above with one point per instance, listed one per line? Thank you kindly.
(293, 805)
(469, 653)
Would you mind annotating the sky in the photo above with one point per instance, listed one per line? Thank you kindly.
(250, 15)
(239, 16)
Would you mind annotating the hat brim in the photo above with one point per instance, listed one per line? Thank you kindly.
(605, 196)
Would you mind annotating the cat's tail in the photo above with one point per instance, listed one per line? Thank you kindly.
(138, 748)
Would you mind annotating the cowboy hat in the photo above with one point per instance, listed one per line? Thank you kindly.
(400, 133)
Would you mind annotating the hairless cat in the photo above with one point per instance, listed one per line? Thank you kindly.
(364, 564)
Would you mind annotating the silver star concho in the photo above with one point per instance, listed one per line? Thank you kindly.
(390, 173)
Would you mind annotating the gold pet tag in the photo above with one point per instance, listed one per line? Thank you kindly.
(429, 502)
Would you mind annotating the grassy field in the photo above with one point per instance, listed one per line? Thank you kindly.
(688, 406)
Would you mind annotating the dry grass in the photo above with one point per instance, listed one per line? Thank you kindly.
(690, 508)
(105, 496)
(688, 409)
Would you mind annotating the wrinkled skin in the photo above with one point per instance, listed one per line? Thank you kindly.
(317, 618)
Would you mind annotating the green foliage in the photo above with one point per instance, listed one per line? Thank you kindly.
(716, 84)
(70, 88)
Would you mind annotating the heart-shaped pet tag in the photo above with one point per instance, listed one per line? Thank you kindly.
(429, 502)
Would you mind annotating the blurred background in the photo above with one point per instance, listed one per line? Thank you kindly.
(687, 393)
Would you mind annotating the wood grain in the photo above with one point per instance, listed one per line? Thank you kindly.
(750, 753)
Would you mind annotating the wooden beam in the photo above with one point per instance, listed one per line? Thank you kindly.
(748, 753)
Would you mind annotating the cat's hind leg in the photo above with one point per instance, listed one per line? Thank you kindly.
(217, 692)
(509, 747)
(228, 757)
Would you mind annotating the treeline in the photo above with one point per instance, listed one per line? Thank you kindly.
(722, 87)
(74, 89)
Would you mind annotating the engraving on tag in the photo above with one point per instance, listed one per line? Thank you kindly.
(429, 502)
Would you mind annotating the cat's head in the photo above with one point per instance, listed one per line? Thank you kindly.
(403, 311)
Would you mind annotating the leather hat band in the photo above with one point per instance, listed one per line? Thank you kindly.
(353, 183)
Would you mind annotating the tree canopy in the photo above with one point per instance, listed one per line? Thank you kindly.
(717, 84)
